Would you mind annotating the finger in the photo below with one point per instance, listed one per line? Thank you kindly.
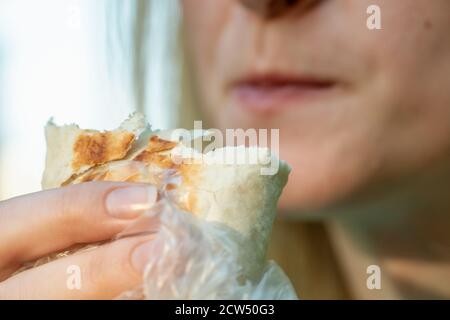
(34, 225)
(102, 273)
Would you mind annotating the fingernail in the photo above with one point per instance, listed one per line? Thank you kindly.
(141, 255)
(131, 202)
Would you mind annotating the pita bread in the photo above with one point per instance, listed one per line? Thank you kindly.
(236, 195)
(71, 150)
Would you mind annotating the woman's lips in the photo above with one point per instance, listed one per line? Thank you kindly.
(267, 94)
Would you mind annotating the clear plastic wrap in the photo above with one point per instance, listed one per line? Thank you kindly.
(196, 259)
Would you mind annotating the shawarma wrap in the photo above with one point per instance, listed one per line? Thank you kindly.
(235, 195)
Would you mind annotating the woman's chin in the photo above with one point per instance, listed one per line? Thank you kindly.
(309, 195)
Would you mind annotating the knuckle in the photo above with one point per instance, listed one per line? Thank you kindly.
(97, 270)
(69, 211)
(110, 267)
(76, 205)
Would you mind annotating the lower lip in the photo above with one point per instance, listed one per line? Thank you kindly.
(268, 99)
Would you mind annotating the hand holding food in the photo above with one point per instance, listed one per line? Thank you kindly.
(237, 197)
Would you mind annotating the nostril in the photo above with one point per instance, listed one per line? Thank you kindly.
(269, 8)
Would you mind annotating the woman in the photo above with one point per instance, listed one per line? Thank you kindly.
(364, 118)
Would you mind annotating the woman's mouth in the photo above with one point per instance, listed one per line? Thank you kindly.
(270, 93)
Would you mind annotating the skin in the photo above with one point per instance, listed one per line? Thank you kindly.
(35, 225)
(370, 155)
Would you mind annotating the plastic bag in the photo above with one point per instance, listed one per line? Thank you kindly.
(197, 259)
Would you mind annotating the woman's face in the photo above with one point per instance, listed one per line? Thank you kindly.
(355, 107)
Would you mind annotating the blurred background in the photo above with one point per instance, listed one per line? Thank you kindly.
(78, 61)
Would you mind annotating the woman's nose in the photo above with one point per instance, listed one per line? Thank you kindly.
(273, 8)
